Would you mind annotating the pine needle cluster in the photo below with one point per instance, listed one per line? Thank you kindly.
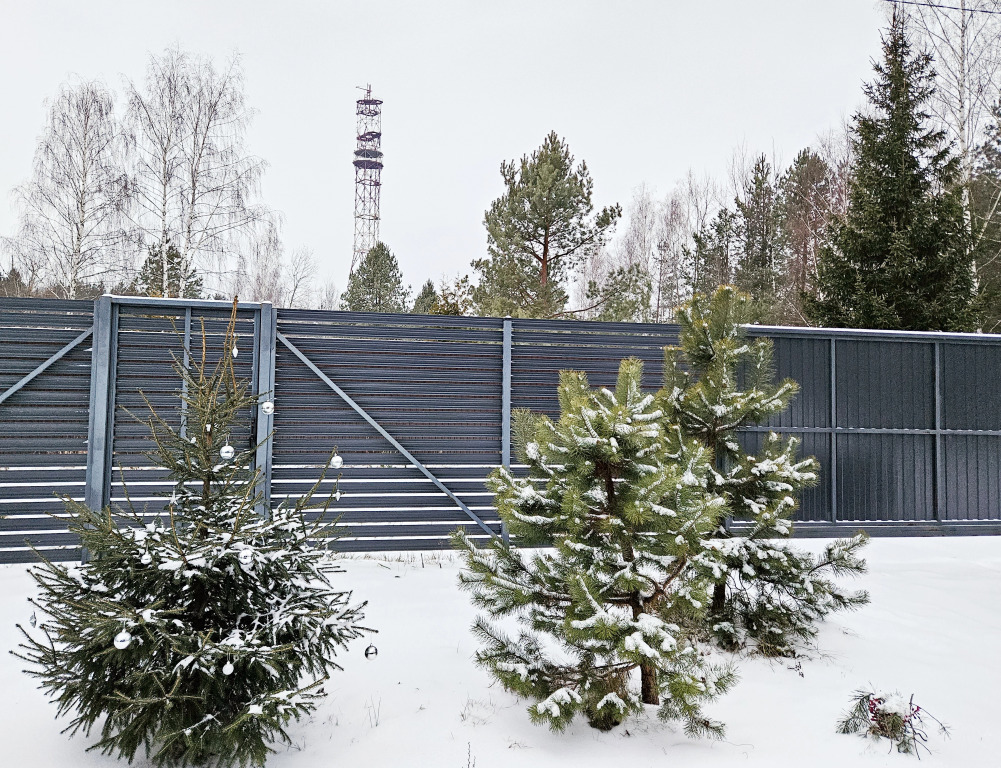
(891, 716)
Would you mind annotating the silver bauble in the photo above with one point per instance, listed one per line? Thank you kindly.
(268, 407)
(336, 461)
(227, 452)
(123, 640)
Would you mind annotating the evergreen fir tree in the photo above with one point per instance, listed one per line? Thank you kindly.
(765, 590)
(716, 252)
(376, 284)
(182, 278)
(198, 637)
(454, 297)
(901, 259)
(758, 212)
(426, 300)
(621, 496)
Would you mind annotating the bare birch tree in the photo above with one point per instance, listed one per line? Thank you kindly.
(964, 37)
(192, 181)
(675, 237)
(267, 275)
(69, 231)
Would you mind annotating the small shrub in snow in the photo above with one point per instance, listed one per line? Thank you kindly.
(622, 498)
(717, 382)
(889, 716)
(195, 638)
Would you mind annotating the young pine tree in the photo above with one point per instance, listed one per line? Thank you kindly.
(765, 589)
(622, 499)
(198, 637)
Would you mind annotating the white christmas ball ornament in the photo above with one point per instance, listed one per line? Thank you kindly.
(123, 640)
(236, 352)
(146, 559)
(336, 461)
(246, 557)
(227, 452)
(227, 668)
(268, 407)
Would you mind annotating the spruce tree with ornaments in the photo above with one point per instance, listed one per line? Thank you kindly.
(717, 382)
(196, 636)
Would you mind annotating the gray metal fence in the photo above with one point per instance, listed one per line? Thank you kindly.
(907, 426)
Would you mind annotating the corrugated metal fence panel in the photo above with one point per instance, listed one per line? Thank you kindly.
(886, 477)
(808, 362)
(971, 400)
(971, 386)
(434, 383)
(43, 427)
(543, 348)
(886, 384)
(148, 347)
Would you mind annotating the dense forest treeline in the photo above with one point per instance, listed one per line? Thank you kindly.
(892, 220)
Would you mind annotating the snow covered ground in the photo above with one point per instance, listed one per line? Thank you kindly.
(933, 629)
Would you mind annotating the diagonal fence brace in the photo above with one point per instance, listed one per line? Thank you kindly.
(44, 366)
(378, 427)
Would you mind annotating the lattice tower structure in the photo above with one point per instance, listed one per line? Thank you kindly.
(368, 172)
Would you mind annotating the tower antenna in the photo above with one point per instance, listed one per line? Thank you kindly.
(368, 170)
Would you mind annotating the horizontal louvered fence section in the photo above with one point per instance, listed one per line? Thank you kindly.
(906, 426)
(433, 383)
(44, 406)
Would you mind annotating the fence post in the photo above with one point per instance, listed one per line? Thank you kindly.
(267, 339)
(100, 429)
(939, 462)
(506, 410)
(186, 362)
(834, 430)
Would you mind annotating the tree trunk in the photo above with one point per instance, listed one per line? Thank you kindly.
(719, 598)
(649, 691)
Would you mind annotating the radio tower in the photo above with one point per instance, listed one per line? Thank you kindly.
(368, 169)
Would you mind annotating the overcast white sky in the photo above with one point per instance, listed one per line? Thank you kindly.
(640, 89)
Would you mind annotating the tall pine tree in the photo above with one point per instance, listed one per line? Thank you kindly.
(426, 300)
(376, 284)
(758, 212)
(901, 258)
(538, 231)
